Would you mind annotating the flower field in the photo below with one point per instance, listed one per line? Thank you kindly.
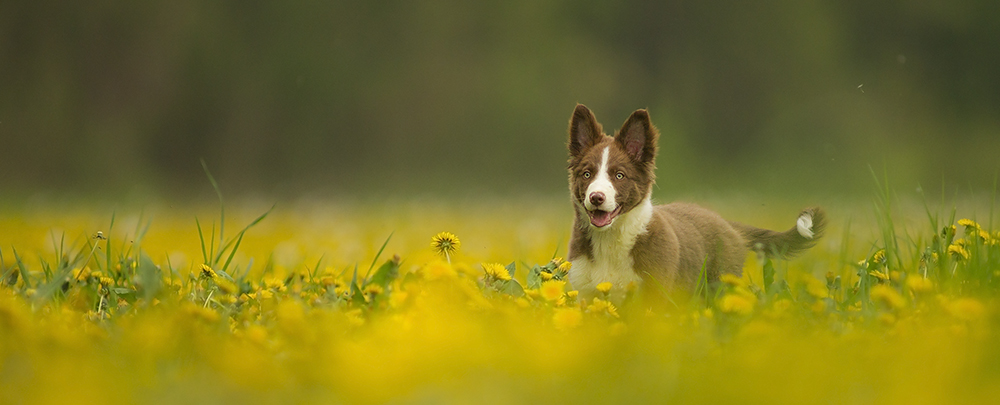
(466, 302)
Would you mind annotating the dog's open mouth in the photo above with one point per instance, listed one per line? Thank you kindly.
(601, 219)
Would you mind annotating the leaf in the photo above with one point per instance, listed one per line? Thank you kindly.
(385, 274)
(511, 268)
(512, 287)
(123, 291)
(535, 278)
(149, 278)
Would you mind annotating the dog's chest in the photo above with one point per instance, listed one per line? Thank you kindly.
(611, 253)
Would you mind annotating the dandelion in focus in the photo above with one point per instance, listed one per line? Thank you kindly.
(958, 251)
(446, 244)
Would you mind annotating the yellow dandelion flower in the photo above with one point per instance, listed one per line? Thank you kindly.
(816, 288)
(572, 294)
(958, 251)
(567, 318)
(879, 275)
(81, 274)
(564, 267)
(968, 223)
(437, 270)
(604, 287)
(739, 304)
(225, 286)
(445, 243)
(274, 283)
(731, 279)
(107, 281)
(496, 271)
(919, 285)
(888, 296)
(372, 290)
(984, 236)
(879, 256)
(398, 299)
(552, 290)
(207, 272)
(966, 309)
(328, 280)
(602, 306)
(546, 276)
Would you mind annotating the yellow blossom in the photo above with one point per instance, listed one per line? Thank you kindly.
(888, 296)
(496, 271)
(445, 243)
(604, 287)
(546, 276)
(226, 286)
(565, 267)
(437, 270)
(968, 223)
(732, 279)
(567, 318)
(552, 290)
(879, 275)
(372, 290)
(918, 284)
(207, 271)
(274, 283)
(739, 304)
(879, 256)
(817, 288)
(966, 309)
(958, 251)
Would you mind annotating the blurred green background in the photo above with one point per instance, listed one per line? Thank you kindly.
(428, 97)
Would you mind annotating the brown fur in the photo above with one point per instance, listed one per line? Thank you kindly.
(677, 240)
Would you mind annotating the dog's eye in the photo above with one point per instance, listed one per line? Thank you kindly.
(586, 174)
(620, 176)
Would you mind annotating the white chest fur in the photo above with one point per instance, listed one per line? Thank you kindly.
(611, 249)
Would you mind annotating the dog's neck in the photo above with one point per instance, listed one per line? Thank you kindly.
(614, 242)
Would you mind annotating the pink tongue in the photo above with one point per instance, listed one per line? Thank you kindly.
(600, 218)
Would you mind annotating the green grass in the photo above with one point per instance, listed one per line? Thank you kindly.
(900, 309)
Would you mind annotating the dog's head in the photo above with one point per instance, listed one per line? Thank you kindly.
(609, 176)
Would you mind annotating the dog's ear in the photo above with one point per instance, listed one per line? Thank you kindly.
(638, 137)
(584, 131)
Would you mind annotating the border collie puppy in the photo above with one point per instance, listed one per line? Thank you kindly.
(619, 236)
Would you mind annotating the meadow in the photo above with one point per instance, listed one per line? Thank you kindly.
(464, 301)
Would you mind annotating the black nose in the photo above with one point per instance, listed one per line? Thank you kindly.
(597, 198)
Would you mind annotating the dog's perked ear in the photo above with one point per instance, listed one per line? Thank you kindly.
(584, 131)
(638, 137)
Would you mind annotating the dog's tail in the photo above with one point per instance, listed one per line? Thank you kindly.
(808, 229)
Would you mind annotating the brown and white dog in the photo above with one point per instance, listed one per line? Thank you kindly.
(619, 236)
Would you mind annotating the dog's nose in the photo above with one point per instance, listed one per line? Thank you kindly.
(597, 198)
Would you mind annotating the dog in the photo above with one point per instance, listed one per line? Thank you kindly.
(620, 237)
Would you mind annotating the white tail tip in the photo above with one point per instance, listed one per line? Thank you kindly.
(805, 225)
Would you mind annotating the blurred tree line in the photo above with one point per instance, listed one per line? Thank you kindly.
(434, 96)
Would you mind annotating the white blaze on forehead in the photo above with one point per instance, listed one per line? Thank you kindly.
(602, 184)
